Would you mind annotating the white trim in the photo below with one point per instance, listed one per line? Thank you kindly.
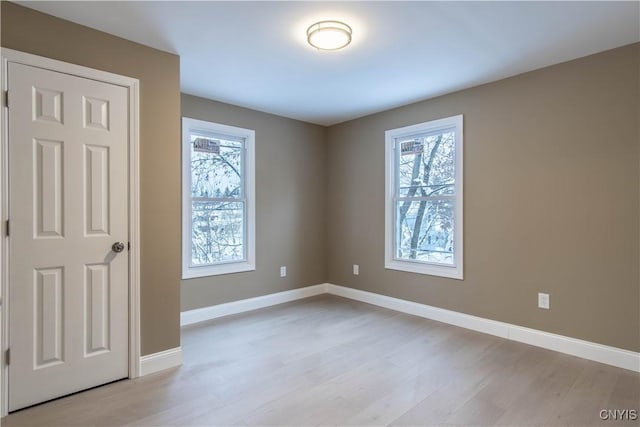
(11, 55)
(585, 349)
(249, 137)
(215, 311)
(133, 86)
(160, 361)
(134, 229)
(390, 261)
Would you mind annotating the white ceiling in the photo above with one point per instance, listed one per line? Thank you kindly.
(254, 54)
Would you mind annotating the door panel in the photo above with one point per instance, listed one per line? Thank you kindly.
(48, 192)
(48, 292)
(97, 308)
(97, 187)
(68, 190)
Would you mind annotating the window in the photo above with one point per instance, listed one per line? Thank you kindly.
(218, 209)
(423, 218)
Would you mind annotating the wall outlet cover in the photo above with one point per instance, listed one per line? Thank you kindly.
(543, 301)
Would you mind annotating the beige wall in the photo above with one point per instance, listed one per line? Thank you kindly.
(290, 202)
(551, 200)
(159, 74)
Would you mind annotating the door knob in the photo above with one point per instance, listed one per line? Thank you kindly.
(117, 247)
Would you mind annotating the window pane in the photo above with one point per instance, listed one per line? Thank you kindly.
(217, 232)
(216, 167)
(427, 165)
(425, 231)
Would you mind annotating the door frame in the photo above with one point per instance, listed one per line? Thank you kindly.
(133, 86)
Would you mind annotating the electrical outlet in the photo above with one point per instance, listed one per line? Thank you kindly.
(543, 301)
(283, 271)
(356, 269)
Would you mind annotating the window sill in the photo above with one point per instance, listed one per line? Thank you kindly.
(422, 268)
(217, 270)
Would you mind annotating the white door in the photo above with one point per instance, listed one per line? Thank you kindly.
(68, 288)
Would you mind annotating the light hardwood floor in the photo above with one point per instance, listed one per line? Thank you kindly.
(331, 361)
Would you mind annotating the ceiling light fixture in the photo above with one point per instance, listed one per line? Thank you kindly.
(329, 35)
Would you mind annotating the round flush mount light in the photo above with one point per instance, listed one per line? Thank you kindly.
(329, 35)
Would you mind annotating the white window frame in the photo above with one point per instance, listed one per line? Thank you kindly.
(248, 264)
(454, 271)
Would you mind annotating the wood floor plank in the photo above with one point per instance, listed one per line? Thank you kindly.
(541, 398)
(589, 394)
(327, 360)
(463, 381)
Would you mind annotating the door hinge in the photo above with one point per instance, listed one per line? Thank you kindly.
(6, 228)
(6, 98)
(7, 357)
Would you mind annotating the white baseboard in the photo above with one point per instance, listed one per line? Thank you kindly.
(213, 312)
(159, 361)
(585, 349)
